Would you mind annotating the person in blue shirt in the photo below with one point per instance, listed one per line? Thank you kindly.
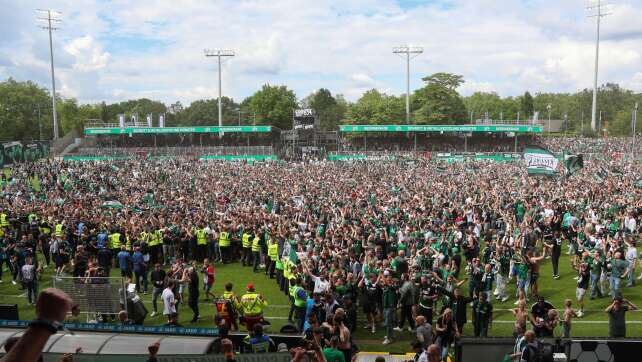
(124, 263)
(259, 342)
(140, 269)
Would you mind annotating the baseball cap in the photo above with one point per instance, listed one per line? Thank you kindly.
(250, 286)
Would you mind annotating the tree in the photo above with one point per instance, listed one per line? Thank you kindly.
(375, 107)
(273, 105)
(480, 102)
(19, 104)
(527, 105)
(329, 111)
(205, 112)
(438, 101)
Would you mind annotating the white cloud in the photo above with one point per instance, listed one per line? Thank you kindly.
(88, 54)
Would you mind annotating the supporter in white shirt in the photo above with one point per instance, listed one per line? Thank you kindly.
(169, 302)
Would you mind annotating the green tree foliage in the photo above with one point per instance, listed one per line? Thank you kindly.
(205, 112)
(328, 109)
(527, 106)
(273, 105)
(375, 107)
(438, 101)
(19, 103)
(73, 116)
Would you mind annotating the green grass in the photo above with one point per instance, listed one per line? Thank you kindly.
(593, 324)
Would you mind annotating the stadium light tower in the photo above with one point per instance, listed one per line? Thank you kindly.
(598, 13)
(50, 16)
(409, 53)
(219, 53)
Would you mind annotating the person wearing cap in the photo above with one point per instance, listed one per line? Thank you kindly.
(252, 305)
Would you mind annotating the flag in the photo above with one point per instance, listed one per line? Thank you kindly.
(112, 205)
(294, 257)
(573, 163)
(601, 175)
(540, 161)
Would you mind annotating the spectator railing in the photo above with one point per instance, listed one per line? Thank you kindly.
(176, 151)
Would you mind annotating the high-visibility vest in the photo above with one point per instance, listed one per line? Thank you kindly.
(45, 229)
(300, 302)
(128, 243)
(255, 244)
(227, 304)
(143, 236)
(273, 250)
(252, 305)
(3, 220)
(159, 236)
(115, 240)
(224, 239)
(153, 239)
(59, 230)
(286, 269)
(200, 237)
(246, 241)
(279, 264)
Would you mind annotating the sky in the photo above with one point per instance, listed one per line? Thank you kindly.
(118, 50)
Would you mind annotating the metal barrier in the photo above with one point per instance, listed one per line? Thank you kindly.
(176, 151)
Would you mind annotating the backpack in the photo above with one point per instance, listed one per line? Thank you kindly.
(542, 353)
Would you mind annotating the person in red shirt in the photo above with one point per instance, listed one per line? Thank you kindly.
(209, 275)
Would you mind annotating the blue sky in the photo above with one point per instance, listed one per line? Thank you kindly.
(117, 50)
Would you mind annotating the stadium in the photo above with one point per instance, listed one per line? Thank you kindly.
(436, 225)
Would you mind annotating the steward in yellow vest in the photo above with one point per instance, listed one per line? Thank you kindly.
(256, 251)
(273, 254)
(246, 253)
(252, 305)
(224, 245)
(201, 243)
(299, 301)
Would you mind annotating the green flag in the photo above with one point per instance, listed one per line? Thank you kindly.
(294, 258)
(573, 163)
(540, 161)
(112, 204)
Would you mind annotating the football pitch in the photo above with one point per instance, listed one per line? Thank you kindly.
(593, 324)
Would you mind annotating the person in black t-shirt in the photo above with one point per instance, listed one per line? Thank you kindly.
(158, 278)
(191, 277)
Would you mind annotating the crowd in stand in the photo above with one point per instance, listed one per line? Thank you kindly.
(391, 241)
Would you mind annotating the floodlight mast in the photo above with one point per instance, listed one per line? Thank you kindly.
(407, 51)
(599, 9)
(219, 53)
(50, 17)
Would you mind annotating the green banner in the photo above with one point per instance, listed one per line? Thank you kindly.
(170, 130)
(441, 128)
(239, 157)
(540, 161)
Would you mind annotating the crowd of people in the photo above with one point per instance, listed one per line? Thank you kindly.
(406, 241)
